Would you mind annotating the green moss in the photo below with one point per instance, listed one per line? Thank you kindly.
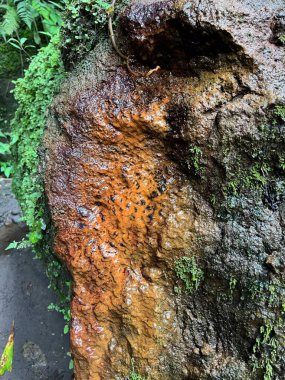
(256, 168)
(265, 351)
(194, 159)
(134, 375)
(10, 62)
(280, 111)
(34, 94)
(85, 22)
(188, 271)
(250, 175)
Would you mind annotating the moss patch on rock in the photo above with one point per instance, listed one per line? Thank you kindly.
(34, 93)
(85, 23)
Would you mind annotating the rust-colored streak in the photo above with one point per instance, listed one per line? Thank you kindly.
(111, 207)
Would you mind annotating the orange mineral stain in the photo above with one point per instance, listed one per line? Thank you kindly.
(115, 202)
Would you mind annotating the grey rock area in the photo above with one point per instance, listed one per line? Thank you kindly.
(203, 29)
(40, 345)
(10, 211)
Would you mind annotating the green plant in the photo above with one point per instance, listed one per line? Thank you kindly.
(71, 364)
(189, 273)
(10, 62)
(195, 155)
(282, 38)
(269, 344)
(5, 165)
(280, 110)
(65, 312)
(37, 17)
(265, 351)
(19, 244)
(34, 93)
(134, 375)
(28, 24)
(85, 22)
(232, 284)
(60, 283)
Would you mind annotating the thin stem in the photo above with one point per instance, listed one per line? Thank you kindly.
(123, 56)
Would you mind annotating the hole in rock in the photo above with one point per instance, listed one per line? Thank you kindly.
(183, 48)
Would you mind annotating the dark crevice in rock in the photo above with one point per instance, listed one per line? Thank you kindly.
(278, 30)
(180, 47)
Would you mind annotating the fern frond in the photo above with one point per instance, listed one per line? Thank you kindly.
(50, 15)
(44, 9)
(10, 21)
(26, 12)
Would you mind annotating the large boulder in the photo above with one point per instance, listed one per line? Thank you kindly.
(166, 194)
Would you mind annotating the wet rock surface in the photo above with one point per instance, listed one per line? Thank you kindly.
(142, 172)
(40, 345)
(9, 209)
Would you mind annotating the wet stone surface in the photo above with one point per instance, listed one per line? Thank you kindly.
(9, 209)
(40, 345)
(141, 172)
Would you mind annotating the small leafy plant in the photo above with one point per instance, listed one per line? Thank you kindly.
(85, 21)
(66, 315)
(265, 351)
(280, 110)
(34, 93)
(188, 271)
(195, 158)
(134, 375)
(232, 284)
(282, 38)
(5, 165)
(23, 244)
(27, 25)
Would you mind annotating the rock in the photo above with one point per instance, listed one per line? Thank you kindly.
(141, 172)
(275, 261)
(36, 358)
(207, 350)
(10, 210)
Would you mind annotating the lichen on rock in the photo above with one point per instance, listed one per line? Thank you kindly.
(142, 172)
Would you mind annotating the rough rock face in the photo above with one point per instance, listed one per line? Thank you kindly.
(144, 173)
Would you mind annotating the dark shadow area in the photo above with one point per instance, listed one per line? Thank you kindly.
(180, 47)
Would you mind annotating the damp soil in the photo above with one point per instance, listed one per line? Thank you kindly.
(40, 345)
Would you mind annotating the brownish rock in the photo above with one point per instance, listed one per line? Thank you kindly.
(127, 202)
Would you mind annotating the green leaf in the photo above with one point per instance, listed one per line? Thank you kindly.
(12, 245)
(104, 5)
(66, 329)
(14, 44)
(6, 360)
(10, 21)
(4, 148)
(6, 168)
(71, 365)
(23, 40)
(35, 236)
(37, 38)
